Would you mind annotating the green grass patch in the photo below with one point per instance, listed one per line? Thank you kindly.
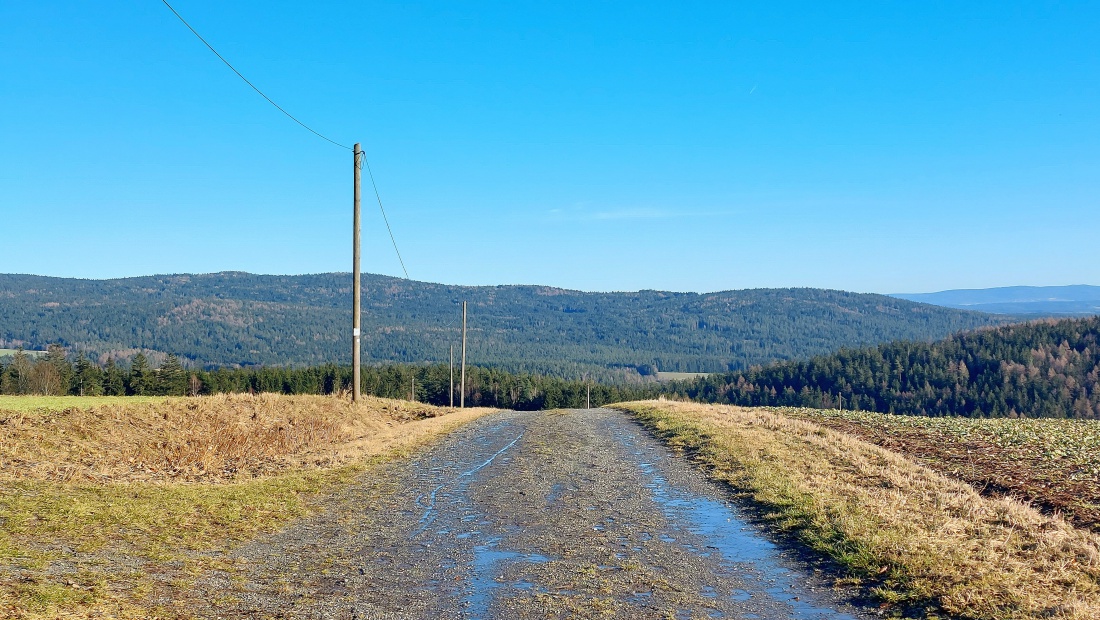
(62, 403)
(154, 520)
(43, 522)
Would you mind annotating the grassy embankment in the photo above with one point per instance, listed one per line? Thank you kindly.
(109, 504)
(914, 538)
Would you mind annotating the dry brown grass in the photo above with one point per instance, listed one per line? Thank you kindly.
(918, 539)
(206, 439)
(97, 502)
(1053, 464)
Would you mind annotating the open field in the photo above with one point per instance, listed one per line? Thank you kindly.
(1052, 464)
(7, 352)
(61, 403)
(680, 376)
(915, 538)
(104, 505)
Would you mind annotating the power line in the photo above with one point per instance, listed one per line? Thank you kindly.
(261, 93)
(377, 196)
(383, 210)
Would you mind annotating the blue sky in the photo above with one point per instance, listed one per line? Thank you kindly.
(875, 147)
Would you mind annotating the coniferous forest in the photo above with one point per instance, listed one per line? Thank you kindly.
(240, 319)
(1038, 369)
(57, 373)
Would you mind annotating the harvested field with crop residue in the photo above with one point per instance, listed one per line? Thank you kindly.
(107, 507)
(1051, 464)
(919, 541)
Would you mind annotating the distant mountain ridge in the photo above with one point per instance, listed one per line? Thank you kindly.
(234, 318)
(1077, 299)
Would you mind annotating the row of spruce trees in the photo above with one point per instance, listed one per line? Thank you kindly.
(57, 373)
(1039, 369)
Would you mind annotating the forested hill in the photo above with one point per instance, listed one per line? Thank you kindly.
(1040, 369)
(237, 318)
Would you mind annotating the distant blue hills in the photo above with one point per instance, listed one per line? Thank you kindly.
(1073, 300)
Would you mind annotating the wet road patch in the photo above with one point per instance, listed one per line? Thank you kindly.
(529, 515)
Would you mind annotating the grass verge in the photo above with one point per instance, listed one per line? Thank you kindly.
(920, 542)
(1051, 464)
(105, 508)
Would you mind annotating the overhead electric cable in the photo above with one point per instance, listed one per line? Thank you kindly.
(307, 127)
(260, 92)
(383, 210)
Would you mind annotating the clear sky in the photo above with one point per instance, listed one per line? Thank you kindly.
(875, 147)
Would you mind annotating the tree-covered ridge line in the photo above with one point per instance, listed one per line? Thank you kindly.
(56, 374)
(240, 319)
(1039, 369)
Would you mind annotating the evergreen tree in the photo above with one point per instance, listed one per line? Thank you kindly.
(55, 356)
(138, 381)
(114, 383)
(87, 378)
(171, 378)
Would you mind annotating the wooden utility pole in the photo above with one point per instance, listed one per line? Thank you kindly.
(412, 389)
(588, 397)
(355, 292)
(462, 383)
(452, 392)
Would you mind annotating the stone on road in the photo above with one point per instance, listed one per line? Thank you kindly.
(575, 513)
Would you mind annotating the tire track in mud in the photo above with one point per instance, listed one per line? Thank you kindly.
(525, 515)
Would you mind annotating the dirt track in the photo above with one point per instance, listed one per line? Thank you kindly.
(525, 515)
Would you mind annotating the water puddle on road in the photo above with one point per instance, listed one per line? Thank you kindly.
(485, 580)
(448, 496)
(753, 559)
(428, 501)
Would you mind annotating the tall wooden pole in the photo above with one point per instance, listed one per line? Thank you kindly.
(452, 376)
(355, 291)
(462, 383)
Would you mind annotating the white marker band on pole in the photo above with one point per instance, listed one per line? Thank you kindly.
(355, 332)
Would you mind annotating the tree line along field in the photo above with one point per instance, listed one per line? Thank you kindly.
(1038, 369)
(55, 374)
(240, 319)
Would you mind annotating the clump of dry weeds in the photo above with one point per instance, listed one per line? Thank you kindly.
(914, 535)
(204, 439)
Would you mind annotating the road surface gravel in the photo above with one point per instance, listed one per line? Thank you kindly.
(561, 514)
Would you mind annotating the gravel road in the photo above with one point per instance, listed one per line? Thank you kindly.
(525, 515)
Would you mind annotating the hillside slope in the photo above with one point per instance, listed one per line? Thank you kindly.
(1040, 369)
(238, 318)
